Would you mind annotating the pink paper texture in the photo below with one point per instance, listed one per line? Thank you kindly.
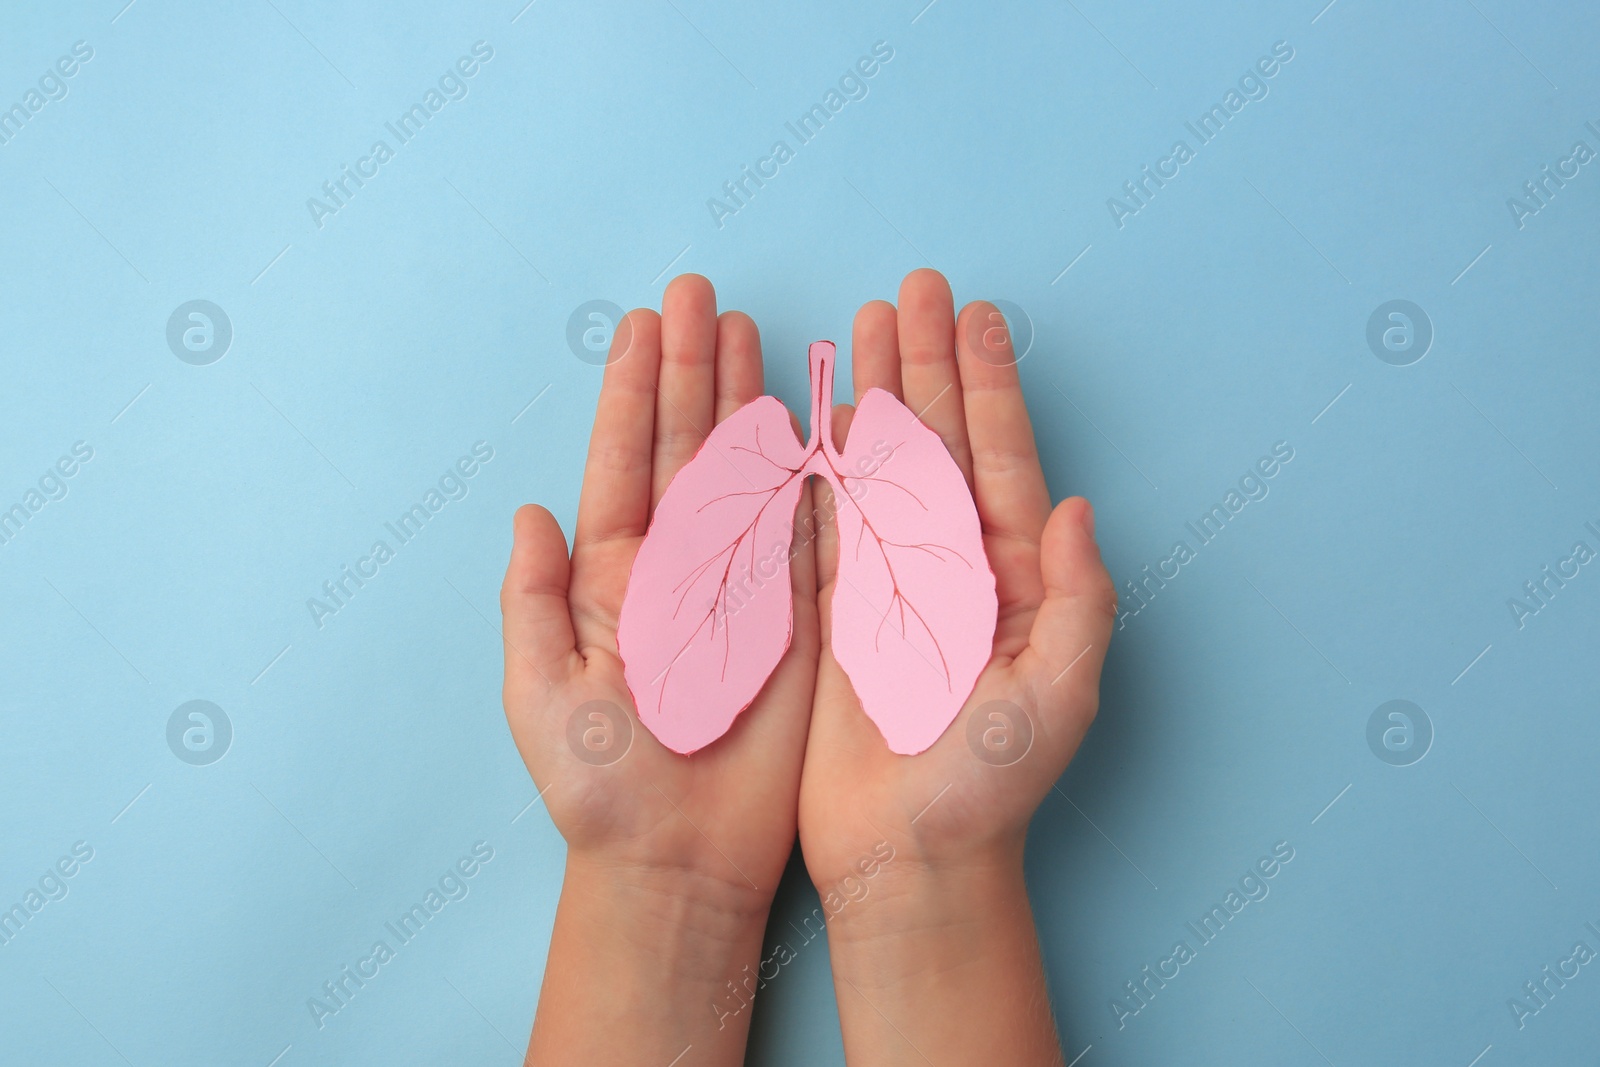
(709, 608)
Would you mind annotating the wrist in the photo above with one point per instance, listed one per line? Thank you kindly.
(640, 959)
(947, 914)
(678, 914)
(949, 951)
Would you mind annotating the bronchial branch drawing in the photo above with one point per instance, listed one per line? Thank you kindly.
(709, 607)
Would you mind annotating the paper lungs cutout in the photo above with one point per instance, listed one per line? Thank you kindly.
(709, 608)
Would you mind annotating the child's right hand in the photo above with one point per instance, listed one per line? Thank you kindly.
(944, 937)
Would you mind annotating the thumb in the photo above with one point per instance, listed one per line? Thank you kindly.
(539, 645)
(1073, 626)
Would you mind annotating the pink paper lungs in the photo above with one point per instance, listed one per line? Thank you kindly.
(914, 604)
(709, 608)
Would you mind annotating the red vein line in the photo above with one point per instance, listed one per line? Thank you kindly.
(699, 571)
(823, 428)
(710, 615)
(884, 463)
(722, 589)
(762, 455)
(928, 547)
(761, 451)
(878, 633)
(905, 602)
(743, 492)
(886, 459)
(886, 481)
(894, 581)
(732, 550)
(718, 609)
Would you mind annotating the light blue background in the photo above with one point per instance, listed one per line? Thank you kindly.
(369, 755)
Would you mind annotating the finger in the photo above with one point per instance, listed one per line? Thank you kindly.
(738, 362)
(686, 397)
(842, 416)
(539, 645)
(927, 338)
(1073, 625)
(615, 501)
(875, 350)
(827, 508)
(1007, 481)
(803, 551)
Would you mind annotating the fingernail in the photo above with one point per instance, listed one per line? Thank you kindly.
(1088, 518)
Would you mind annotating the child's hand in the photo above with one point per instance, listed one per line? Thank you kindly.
(672, 861)
(942, 943)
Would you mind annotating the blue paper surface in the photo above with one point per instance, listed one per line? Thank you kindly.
(241, 346)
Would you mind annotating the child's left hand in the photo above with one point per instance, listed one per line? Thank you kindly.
(670, 858)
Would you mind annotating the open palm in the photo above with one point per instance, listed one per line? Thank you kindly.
(725, 817)
(975, 789)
